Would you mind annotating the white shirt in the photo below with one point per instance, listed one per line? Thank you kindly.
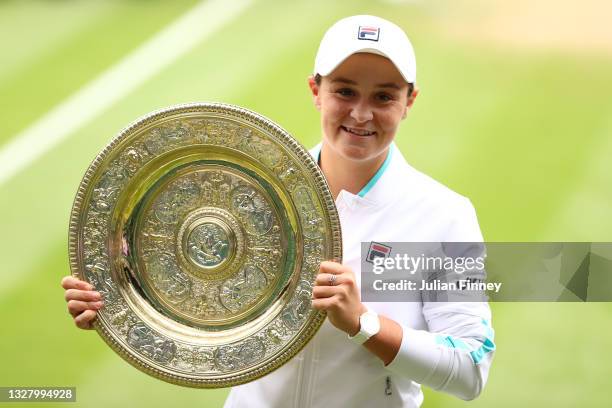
(446, 346)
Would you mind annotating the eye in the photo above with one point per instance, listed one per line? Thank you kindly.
(346, 92)
(384, 97)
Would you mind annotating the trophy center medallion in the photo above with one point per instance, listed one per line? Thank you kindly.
(211, 244)
(208, 244)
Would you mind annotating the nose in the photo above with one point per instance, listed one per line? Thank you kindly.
(362, 112)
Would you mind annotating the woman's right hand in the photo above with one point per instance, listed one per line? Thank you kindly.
(83, 301)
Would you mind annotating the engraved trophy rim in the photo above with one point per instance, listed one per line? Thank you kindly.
(315, 177)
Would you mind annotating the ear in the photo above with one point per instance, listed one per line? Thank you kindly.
(410, 102)
(314, 90)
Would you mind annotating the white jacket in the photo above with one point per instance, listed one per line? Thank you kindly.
(446, 346)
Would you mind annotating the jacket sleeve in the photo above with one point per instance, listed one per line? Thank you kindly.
(455, 354)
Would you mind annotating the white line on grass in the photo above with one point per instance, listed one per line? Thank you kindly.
(150, 58)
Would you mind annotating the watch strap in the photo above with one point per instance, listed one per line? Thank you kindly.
(363, 335)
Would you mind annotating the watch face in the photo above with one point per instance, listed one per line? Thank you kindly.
(370, 323)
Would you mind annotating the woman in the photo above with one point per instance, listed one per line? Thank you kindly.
(376, 354)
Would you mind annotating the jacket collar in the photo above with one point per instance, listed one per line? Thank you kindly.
(386, 185)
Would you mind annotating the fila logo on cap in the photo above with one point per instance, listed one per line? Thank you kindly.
(368, 33)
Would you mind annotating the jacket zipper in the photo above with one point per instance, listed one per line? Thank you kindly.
(388, 386)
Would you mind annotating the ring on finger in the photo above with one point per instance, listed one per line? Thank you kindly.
(332, 280)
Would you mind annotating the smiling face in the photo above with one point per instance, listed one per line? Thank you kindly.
(362, 103)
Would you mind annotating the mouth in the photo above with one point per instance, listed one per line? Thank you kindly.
(358, 132)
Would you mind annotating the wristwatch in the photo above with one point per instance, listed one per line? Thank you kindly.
(369, 325)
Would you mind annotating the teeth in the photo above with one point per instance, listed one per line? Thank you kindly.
(358, 132)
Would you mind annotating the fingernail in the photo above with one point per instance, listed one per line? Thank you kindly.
(97, 305)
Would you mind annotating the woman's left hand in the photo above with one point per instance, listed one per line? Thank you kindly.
(336, 292)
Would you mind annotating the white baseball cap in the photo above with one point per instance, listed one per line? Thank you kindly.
(366, 34)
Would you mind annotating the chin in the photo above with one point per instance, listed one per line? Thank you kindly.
(356, 153)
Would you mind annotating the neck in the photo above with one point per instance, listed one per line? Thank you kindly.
(345, 174)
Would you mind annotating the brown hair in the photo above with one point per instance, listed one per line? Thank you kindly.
(318, 78)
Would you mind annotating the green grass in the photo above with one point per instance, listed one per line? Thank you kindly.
(94, 36)
(525, 135)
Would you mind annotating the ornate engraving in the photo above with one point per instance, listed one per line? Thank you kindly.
(312, 220)
(208, 244)
(278, 333)
(168, 279)
(143, 339)
(212, 247)
(243, 289)
(299, 307)
(195, 359)
(193, 222)
(241, 355)
(207, 239)
(252, 209)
